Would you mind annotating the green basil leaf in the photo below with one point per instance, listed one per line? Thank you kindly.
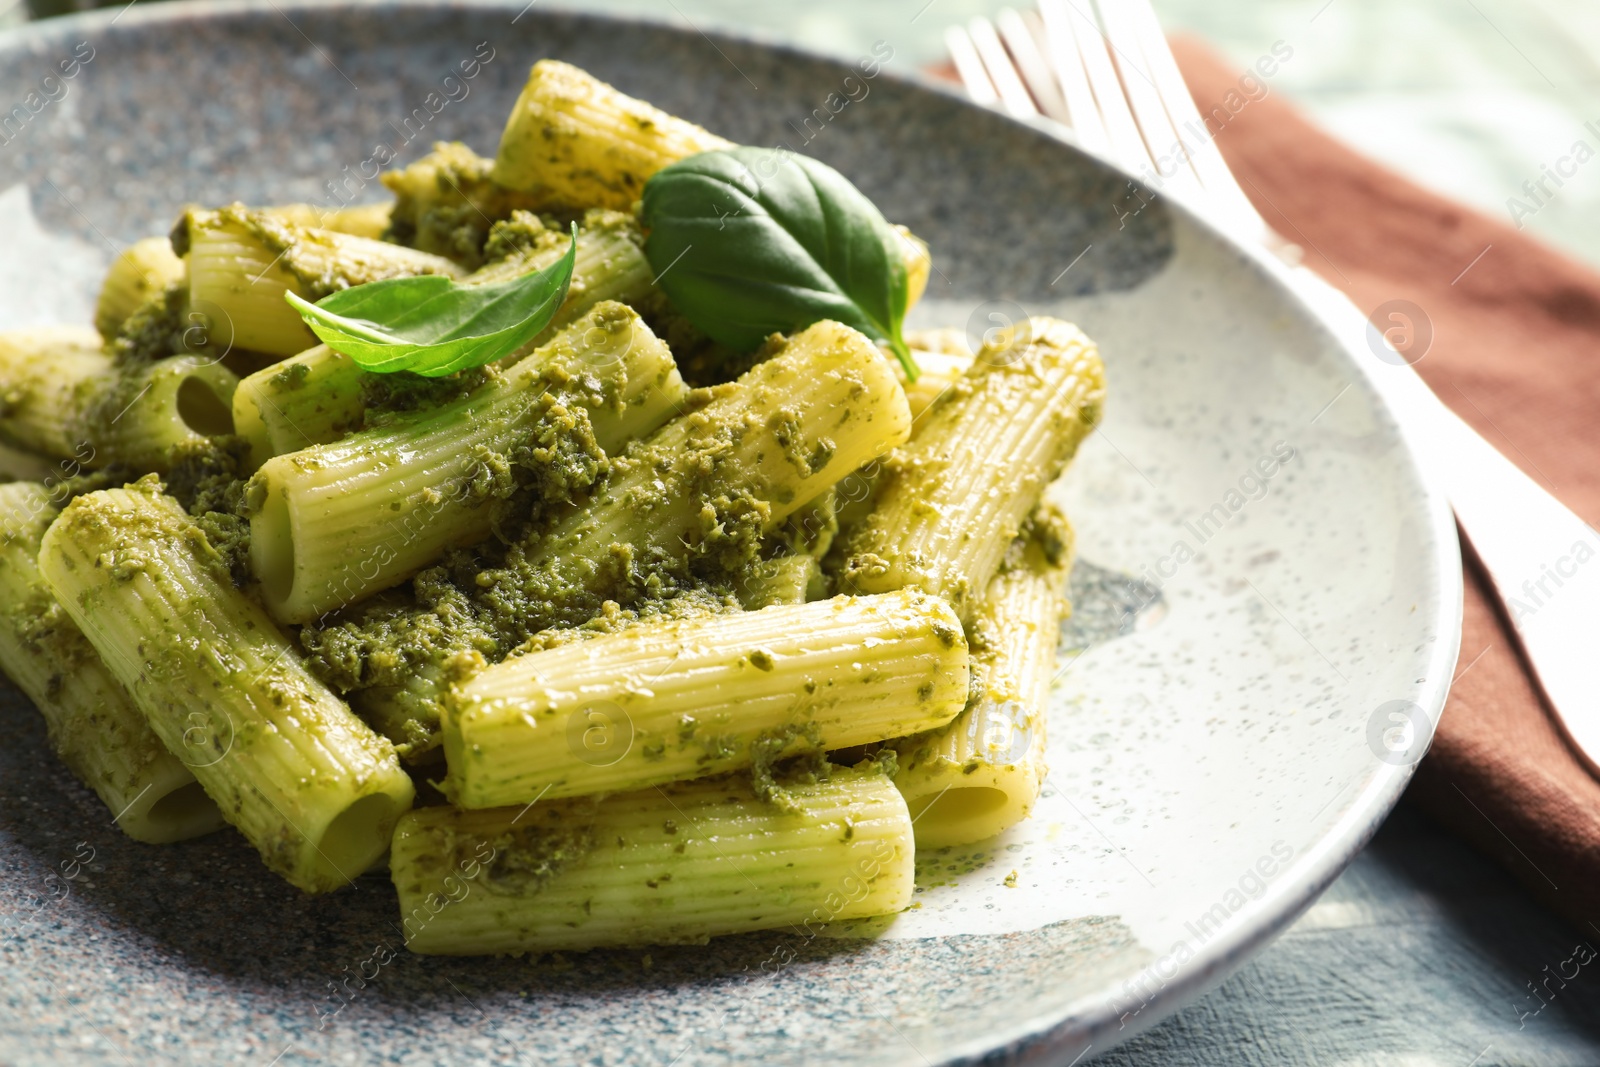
(751, 241)
(433, 326)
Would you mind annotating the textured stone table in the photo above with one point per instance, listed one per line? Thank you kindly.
(1422, 953)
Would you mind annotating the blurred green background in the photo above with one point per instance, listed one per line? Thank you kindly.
(1470, 97)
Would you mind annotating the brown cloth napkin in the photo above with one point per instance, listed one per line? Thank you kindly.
(1516, 353)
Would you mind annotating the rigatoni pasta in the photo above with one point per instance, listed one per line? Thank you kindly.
(67, 398)
(957, 494)
(142, 271)
(982, 773)
(312, 398)
(93, 723)
(307, 783)
(241, 262)
(704, 598)
(370, 221)
(333, 523)
(575, 140)
(662, 702)
(660, 866)
(52, 377)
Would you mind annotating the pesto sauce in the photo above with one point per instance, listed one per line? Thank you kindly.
(524, 235)
(685, 549)
(291, 377)
(161, 327)
(383, 395)
(156, 329)
(321, 262)
(774, 767)
(527, 858)
(1048, 528)
(447, 203)
(205, 477)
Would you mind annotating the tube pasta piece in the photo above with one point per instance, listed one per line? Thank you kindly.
(422, 654)
(50, 378)
(306, 782)
(17, 465)
(370, 221)
(954, 497)
(447, 202)
(982, 773)
(785, 580)
(143, 270)
(810, 529)
(66, 398)
(316, 397)
(609, 263)
(313, 398)
(93, 723)
(173, 402)
(576, 140)
(673, 865)
(943, 359)
(666, 701)
(737, 468)
(241, 262)
(334, 523)
(919, 264)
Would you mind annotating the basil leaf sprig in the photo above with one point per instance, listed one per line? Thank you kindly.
(433, 326)
(752, 241)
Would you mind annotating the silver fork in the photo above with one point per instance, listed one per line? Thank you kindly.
(1117, 88)
(1106, 74)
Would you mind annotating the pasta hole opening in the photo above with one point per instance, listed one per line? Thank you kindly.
(247, 423)
(184, 805)
(202, 410)
(359, 834)
(961, 807)
(272, 554)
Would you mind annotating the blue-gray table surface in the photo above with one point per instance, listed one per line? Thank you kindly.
(1423, 953)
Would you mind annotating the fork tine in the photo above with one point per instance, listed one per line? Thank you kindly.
(1221, 187)
(1013, 94)
(1024, 49)
(1166, 148)
(970, 67)
(1122, 133)
(1062, 52)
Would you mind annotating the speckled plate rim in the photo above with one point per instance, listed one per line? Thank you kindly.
(1092, 1021)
